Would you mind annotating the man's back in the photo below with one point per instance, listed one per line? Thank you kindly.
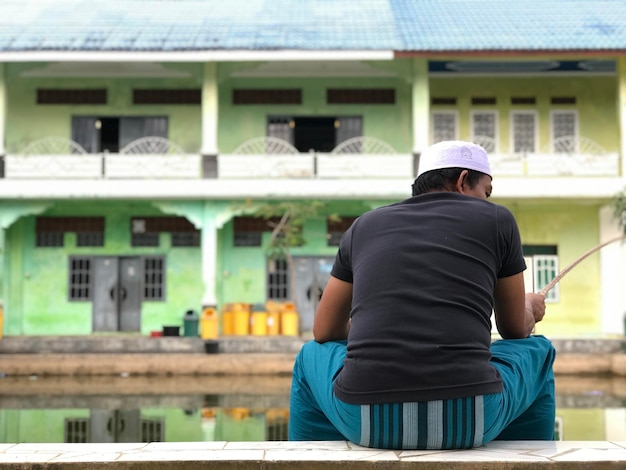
(424, 272)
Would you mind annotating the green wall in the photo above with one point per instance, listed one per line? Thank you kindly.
(573, 228)
(36, 300)
(27, 121)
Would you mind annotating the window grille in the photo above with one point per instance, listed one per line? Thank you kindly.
(267, 96)
(484, 124)
(444, 126)
(361, 96)
(186, 239)
(50, 230)
(145, 231)
(248, 231)
(524, 132)
(442, 101)
(563, 100)
(76, 430)
(152, 430)
(523, 100)
(478, 101)
(89, 239)
(49, 239)
(542, 265)
(154, 278)
(71, 96)
(145, 239)
(277, 279)
(276, 426)
(167, 96)
(80, 278)
(564, 124)
(336, 228)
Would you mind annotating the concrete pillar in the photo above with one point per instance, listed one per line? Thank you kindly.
(209, 149)
(421, 108)
(612, 274)
(621, 109)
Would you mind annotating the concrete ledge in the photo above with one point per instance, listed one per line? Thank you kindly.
(309, 455)
(147, 364)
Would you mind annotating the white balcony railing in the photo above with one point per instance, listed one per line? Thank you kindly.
(157, 158)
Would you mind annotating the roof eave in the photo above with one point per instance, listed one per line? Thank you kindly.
(221, 55)
(494, 53)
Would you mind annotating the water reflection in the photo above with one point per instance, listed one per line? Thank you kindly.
(143, 409)
(152, 409)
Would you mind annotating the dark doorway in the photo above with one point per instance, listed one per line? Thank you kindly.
(320, 134)
(109, 134)
(314, 133)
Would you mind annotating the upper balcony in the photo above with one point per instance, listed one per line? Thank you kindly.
(350, 165)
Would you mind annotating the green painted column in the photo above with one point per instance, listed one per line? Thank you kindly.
(420, 105)
(3, 108)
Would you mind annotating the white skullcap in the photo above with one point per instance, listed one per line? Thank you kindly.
(454, 154)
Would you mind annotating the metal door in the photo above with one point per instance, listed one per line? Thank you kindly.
(117, 294)
(115, 426)
(312, 274)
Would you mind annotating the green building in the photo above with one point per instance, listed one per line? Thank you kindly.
(140, 138)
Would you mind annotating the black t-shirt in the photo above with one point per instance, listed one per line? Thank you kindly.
(424, 272)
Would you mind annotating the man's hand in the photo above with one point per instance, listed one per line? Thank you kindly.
(536, 305)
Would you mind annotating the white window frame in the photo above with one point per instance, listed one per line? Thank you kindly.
(552, 126)
(495, 114)
(536, 279)
(532, 112)
(454, 113)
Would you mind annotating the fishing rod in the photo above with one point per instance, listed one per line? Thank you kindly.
(559, 276)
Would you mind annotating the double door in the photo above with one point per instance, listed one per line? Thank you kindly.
(312, 274)
(117, 285)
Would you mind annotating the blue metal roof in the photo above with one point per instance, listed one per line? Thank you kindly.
(400, 25)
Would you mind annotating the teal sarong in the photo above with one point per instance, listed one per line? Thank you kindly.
(524, 410)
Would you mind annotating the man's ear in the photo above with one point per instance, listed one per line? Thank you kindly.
(461, 181)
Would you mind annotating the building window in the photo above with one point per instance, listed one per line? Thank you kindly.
(145, 231)
(89, 238)
(49, 239)
(445, 126)
(154, 278)
(100, 133)
(360, 96)
(564, 124)
(248, 231)
(277, 279)
(76, 430)
(267, 96)
(186, 239)
(542, 265)
(314, 133)
(80, 278)
(152, 429)
(484, 129)
(74, 96)
(50, 231)
(336, 228)
(524, 132)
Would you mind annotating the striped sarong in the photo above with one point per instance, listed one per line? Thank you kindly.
(440, 424)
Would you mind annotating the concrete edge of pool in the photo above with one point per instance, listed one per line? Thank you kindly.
(309, 455)
(131, 356)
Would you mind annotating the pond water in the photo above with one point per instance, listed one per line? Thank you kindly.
(184, 409)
